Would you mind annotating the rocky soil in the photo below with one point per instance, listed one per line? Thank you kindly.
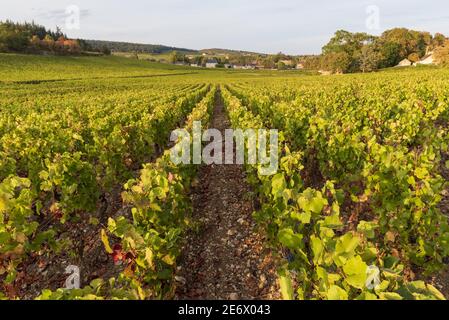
(226, 257)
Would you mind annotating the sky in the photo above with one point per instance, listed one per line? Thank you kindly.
(268, 26)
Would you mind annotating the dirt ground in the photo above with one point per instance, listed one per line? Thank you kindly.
(226, 258)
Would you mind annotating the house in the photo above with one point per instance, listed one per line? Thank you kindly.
(211, 63)
(228, 66)
(405, 63)
(300, 66)
(427, 59)
(195, 65)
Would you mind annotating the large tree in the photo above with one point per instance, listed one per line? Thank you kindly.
(367, 53)
(409, 41)
(442, 54)
(345, 41)
(13, 39)
(337, 62)
(30, 37)
(348, 43)
(438, 40)
(175, 57)
(370, 58)
(390, 53)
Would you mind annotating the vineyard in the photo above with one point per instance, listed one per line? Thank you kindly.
(358, 209)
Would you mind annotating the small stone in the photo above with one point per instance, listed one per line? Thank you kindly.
(181, 280)
(234, 296)
(199, 291)
(263, 281)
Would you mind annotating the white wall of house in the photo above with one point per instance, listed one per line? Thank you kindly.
(405, 63)
(427, 61)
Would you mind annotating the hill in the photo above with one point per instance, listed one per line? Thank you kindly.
(98, 45)
(218, 51)
(27, 68)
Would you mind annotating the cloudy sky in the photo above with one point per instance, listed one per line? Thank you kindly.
(290, 26)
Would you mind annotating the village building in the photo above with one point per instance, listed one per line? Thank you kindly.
(428, 59)
(211, 63)
(405, 63)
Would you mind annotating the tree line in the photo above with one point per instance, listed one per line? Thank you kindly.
(99, 45)
(346, 52)
(33, 38)
(349, 52)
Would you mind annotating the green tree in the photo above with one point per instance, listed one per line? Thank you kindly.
(173, 58)
(281, 66)
(268, 62)
(409, 41)
(345, 41)
(13, 39)
(197, 60)
(48, 43)
(349, 43)
(438, 40)
(370, 58)
(414, 57)
(106, 51)
(312, 62)
(390, 53)
(442, 54)
(337, 62)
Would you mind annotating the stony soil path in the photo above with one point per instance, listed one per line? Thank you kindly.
(441, 280)
(226, 258)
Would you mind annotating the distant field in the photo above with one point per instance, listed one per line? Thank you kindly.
(164, 57)
(14, 67)
(31, 68)
(144, 56)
